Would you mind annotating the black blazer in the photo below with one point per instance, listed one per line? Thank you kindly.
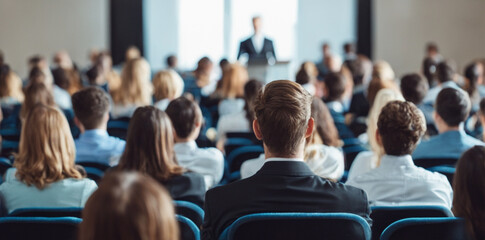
(282, 186)
(189, 187)
(267, 51)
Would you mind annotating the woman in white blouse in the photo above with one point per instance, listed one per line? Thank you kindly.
(369, 160)
(44, 173)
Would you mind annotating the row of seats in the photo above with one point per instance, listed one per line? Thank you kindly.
(410, 222)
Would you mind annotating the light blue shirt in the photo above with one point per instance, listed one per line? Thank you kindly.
(68, 192)
(97, 146)
(450, 144)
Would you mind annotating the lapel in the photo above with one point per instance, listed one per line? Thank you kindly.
(251, 45)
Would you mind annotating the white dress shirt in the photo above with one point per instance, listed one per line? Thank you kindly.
(397, 182)
(162, 104)
(231, 105)
(324, 161)
(258, 42)
(363, 162)
(235, 122)
(209, 162)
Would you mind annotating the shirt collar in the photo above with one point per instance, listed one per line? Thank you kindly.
(190, 145)
(392, 161)
(95, 132)
(284, 159)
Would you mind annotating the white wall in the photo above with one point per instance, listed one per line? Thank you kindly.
(324, 21)
(402, 29)
(29, 27)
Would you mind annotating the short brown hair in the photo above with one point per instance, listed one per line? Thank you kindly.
(36, 93)
(335, 84)
(414, 88)
(453, 106)
(282, 110)
(128, 205)
(90, 105)
(401, 125)
(46, 149)
(184, 113)
(149, 145)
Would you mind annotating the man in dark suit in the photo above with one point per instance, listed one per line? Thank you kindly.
(258, 48)
(285, 183)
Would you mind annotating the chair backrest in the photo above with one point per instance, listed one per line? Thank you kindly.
(62, 228)
(190, 211)
(47, 212)
(432, 162)
(5, 164)
(448, 171)
(232, 144)
(238, 156)
(101, 166)
(383, 216)
(449, 228)
(298, 226)
(118, 127)
(188, 229)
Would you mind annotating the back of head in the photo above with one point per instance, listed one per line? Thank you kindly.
(400, 125)
(414, 88)
(251, 91)
(469, 190)
(453, 106)
(36, 93)
(10, 84)
(233, 81)
(473, 73)
(445, 71)
(131, 53)
(91, 106)
(382, 77)
(324, 124)
(46, 149)
(135, 84)
(171, 61)
(335, 84)
(431, 48)
(184, 114)
(165, 85)
(358, 69)
(129, 205)
(282, 111)
(202, 72)
(348, 48)
(149, 145)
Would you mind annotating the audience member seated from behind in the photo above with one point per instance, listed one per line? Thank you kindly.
(397, 181)
(232, 90)
(44, 173)
(10, 87)
(414, 88)
(129, 205)
(451, 110)
(445, 74)
(307, 77)
(102, 74)
(91, 109)
(241, 121)
(431, 60)
(368, 160)
(474, 83)
(322, 153)
(198, 83)
(285, 183)
(66, 74)
(469, 187)
(167, 85)
(135, 89)
(187, 120)
(335, 87)
(150, 150)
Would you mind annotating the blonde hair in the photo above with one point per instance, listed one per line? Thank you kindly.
(46, 149)
(167, 84)
(382, 77)
(233, 81)
(11, 85)
(129, 205)
(135, 85)
(383, 97)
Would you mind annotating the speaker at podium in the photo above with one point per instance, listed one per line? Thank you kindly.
(268, 71)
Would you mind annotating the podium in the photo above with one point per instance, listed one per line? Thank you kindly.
(266, 73)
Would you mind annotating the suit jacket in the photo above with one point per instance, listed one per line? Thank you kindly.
(280, 186)
(267, 51)
(189, 187)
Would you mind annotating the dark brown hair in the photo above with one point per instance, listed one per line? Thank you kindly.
(445, 71)
(400, 125)
(469, 190)
(453, 106)
(472, 74)
(128, 205)
(251, 91)
(149, 145)
(90, 105)
(282, 111)
(324, 124)
(414, 88)
(184, 114)
(36, 93)
(335, 84)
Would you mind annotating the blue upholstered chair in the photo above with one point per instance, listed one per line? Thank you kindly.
(448, 228)
(20, 228)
